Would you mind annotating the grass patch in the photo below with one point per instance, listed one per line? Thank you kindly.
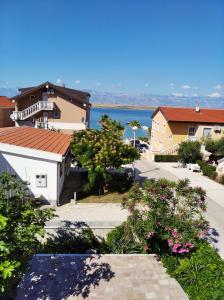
(113, 197)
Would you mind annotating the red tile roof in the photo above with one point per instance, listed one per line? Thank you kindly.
(5, 102)
(185, 114)
(35, 138)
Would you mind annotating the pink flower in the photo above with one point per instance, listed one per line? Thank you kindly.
(167, 228)
(158, 223)
(170, 243)
(174, 233)
(176, 247)
(150, 234)
(189, 245)
(163, 198)
(183, 250)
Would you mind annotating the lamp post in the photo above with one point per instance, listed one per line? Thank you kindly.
(134, 128)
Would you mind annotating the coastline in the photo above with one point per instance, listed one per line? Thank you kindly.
(120, 106)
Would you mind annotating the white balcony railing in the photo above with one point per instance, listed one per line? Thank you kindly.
(31, 110)
(43, 125)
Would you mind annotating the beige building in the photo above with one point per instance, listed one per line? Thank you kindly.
(173, 125)
(52, 106)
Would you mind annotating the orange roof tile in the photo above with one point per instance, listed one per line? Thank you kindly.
(35, 138)
(186, 114)
(5, 102)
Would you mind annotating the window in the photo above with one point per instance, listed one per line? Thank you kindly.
(191, 131)
(32, 97)
(56, 113)
(83, 120)
(207, 132)
(41, 180)
(70, 99)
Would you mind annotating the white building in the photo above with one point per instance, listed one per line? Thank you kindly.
(39, 157)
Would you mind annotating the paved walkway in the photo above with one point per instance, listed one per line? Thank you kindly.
(98, 277)
(214, 190)
(100, 217)
(91, 214)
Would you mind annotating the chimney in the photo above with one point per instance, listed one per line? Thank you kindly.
(63, 84)
(197, 108)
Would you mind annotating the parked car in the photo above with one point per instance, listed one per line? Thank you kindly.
(137, 142)
(143, 147)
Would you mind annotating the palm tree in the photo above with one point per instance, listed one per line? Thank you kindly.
(134, 126)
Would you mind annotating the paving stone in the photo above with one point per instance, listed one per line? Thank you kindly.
(96, 277)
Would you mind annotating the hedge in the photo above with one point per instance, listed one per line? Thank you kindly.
(166, 158)
(207, 169)
(201, 274)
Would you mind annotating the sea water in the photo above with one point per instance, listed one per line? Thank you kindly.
(124, 116)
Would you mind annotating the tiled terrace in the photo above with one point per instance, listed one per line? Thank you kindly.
(98, 277)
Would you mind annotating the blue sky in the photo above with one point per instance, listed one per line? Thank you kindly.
(144, 46)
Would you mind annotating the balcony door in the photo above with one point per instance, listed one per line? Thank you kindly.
(44, 96)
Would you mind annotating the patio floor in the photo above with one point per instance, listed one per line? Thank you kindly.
(98, 277)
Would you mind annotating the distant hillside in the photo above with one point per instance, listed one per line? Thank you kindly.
(140, 99)
(153, 100)
(9, 92)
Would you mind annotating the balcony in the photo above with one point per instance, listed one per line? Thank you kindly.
(32, 110)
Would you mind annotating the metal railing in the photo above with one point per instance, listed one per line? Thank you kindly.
(173, 149)
(31, 110)
(43, 125)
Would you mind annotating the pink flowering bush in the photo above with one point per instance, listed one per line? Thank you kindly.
(167, 217)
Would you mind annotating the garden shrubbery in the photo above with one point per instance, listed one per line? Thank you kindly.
(73, 241)
(166, 158)
(167, 219)
(20, 225)
(207, 169)
(216, 147)
(201, 274)
(221, 179)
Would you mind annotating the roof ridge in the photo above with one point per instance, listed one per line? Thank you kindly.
(186, 107)
(34, 88)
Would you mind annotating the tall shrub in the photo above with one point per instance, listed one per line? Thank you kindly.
(189, 152)
(169, 220)
(216, 147)
(20, 224)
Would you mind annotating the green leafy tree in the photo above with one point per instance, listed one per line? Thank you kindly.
(21, 223)
(190, 152)
(99, 151)
(215, 146)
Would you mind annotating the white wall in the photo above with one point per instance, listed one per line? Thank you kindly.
(26, 168)
(70, 126)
